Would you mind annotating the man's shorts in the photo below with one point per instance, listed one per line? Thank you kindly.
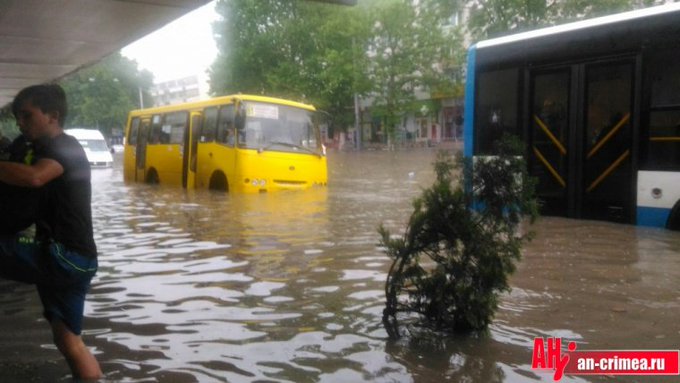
(61, 276)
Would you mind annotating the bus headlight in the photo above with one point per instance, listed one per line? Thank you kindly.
(263, 182)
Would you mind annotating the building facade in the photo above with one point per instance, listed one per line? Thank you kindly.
(176, 91)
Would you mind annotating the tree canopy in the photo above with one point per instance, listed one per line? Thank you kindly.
(388, 51)
(325, 54)
(293, 49)
(101, 95)
(492, 18)
(410, 49)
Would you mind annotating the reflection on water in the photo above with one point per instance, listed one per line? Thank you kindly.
(288, 287)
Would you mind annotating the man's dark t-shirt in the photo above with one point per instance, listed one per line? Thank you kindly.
(18, 205)
(65, 215)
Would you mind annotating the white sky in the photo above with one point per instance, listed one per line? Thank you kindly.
(182, 48)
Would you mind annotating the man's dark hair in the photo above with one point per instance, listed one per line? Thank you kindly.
(48, 97)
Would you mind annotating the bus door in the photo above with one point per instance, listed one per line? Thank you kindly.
(130, 153)
(549, 149)
(140, 166)
(581, 139)
(191, 150)
(607, 176)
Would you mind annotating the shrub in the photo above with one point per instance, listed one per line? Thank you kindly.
(457, 252)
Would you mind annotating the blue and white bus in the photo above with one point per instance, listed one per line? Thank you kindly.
(597, 103)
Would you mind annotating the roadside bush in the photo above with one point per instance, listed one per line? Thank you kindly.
(457, 251)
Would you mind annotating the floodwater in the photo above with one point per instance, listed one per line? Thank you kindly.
(288, 287)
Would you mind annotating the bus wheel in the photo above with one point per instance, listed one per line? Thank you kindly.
(674, 218)
(152, 178)
(218, 182)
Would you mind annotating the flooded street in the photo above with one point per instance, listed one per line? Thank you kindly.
(204, 287)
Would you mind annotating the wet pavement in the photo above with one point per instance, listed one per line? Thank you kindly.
(288, 287)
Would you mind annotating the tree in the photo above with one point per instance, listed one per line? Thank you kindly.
(248, 41)
(293, 49)
(394, 65)
(100, 96)
(445, 55)
(492, 18)
(326, 54)
(410, 50)
(579, 9)
(452, 261)
(342, 64)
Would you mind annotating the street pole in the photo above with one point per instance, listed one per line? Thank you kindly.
(357, 125)
(141, 98)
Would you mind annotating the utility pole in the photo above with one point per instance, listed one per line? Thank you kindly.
(141, 98)
(357, 124)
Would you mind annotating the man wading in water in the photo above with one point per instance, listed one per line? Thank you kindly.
(62, 259)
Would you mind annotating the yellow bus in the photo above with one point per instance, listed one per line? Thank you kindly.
(238, 143)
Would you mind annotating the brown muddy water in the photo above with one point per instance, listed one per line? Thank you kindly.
(288, 287)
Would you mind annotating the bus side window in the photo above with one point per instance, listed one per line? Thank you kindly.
(196, 129)
(166, 130)
(133, 132)
(497, 108)
(663, 145)
(155, 131)
(209, 125)
(196, 121)
(176, 126)
(225, 125)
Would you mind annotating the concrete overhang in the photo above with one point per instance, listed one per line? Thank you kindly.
(43, 40)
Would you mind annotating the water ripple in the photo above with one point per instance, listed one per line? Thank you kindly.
(289, 287)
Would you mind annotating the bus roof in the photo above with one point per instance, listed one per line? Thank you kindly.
(220, 101)
(619, 31)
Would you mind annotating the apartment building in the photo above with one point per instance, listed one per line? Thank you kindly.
(185, 89)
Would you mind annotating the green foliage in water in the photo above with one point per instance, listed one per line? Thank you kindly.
(454, 260)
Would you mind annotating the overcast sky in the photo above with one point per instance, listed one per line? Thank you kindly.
(182, 48)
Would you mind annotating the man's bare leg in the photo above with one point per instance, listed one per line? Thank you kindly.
(83, 364)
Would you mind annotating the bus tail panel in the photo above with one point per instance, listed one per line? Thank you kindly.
(657, 194)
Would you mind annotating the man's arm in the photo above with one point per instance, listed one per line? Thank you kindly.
(32, 176)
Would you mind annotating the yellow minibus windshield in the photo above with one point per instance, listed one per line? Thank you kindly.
(273, 127)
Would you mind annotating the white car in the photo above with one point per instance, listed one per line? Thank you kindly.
(96, 149)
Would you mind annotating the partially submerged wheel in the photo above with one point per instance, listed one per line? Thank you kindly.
(152, 178)
(674, 218)
(218, 182)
